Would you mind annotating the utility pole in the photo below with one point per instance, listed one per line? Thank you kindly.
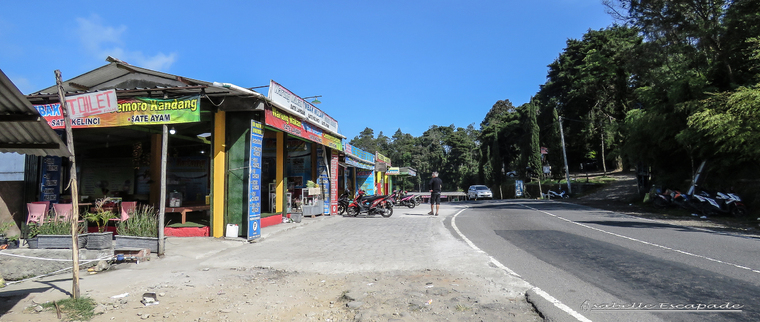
(604, 164)
(74, 190)
(564, 154)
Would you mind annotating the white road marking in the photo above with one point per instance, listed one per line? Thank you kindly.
(537, 290)
(645, 242)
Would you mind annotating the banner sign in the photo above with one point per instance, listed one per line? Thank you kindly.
(381, 158)
(519, 188)
(254, 181)
(359, 165)
(131, 111)
(301, 108)
(365, 180)
(357, 153)
(275, 118)
(92, 103)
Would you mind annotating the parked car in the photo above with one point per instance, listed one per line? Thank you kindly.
(478, 192)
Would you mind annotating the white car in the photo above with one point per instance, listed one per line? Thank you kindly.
(478, 192)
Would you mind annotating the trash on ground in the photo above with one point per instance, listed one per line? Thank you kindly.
(119, 296)
(149, 299)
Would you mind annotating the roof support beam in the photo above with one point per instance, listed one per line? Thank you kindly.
(19, 118)
(4, 145)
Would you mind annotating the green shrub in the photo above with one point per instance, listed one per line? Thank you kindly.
(142, 222)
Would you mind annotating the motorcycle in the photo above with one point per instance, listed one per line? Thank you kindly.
(371, 205)
(410, 201)
(561, 194)
(721, 204)
(343, 202)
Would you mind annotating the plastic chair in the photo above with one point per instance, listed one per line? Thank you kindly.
(46, 203)
(37, 213)
(126, 208)
(63, 211)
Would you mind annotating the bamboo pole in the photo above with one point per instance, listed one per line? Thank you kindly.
(74, 190)
(162, 200)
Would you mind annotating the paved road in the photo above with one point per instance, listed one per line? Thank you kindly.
(590, 259)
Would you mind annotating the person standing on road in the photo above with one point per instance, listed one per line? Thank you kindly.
(435, 193)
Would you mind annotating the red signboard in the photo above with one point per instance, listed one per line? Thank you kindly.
(280, 120)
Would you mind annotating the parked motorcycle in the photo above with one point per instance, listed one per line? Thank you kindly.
(721, 203)
(552, 194)
(407, 200)
(343, 201)
(371, 205)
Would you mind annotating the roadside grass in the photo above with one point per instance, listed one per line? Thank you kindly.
(81, 309)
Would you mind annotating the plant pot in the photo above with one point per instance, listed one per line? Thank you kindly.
(56, 241)
(12, 244)
(137, 242)
(100, 240)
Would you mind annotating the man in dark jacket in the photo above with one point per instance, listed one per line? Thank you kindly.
(435, 193)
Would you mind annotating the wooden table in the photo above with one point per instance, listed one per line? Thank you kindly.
(185, 210)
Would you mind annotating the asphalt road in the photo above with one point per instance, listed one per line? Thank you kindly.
(611, 267)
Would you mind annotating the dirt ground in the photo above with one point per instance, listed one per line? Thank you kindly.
(265, 294)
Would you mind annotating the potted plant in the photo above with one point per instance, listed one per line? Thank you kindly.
(101, 215)
(55, 235)
(140, 230)
(7, 241)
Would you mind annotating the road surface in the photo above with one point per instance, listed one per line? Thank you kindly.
(605, 266)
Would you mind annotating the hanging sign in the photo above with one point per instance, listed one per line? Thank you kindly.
(254, 181)
(131, 111)
(334, 184)
(301, 108)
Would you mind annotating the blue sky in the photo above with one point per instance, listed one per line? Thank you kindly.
(386, 65)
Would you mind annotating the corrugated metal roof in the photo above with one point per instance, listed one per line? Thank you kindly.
(136, 80)
(22, 130)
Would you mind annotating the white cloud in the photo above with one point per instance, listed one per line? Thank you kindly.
(101, 41)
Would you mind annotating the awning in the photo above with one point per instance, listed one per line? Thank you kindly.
(22, 129)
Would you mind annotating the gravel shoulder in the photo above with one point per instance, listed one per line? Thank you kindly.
(621, 196)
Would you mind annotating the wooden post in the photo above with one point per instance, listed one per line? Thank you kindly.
(162, 200)
(564, 153)
(74, 191)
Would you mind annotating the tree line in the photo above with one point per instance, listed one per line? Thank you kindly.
(672, 83)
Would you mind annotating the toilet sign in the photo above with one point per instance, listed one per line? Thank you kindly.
(93, 103)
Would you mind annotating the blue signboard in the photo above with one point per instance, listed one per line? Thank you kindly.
(519, 188)
(51, 177)
(254, 181)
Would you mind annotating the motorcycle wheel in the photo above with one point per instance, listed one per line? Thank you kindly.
(341, 209)
(739, 211)
(566, 196)
(416, 201)
(411, 204)
(352, 211)
(388, 210)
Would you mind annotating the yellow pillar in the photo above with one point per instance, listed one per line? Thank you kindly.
(220, 165)
(280, 173)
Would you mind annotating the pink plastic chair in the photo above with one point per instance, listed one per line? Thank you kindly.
(63, 211)
(37, 213)
(46, 203)
(126, 208)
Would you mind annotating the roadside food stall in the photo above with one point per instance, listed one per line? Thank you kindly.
(119, 154)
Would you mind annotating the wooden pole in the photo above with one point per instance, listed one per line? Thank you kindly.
(162, 200)
(74, 189)
(564, 153)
